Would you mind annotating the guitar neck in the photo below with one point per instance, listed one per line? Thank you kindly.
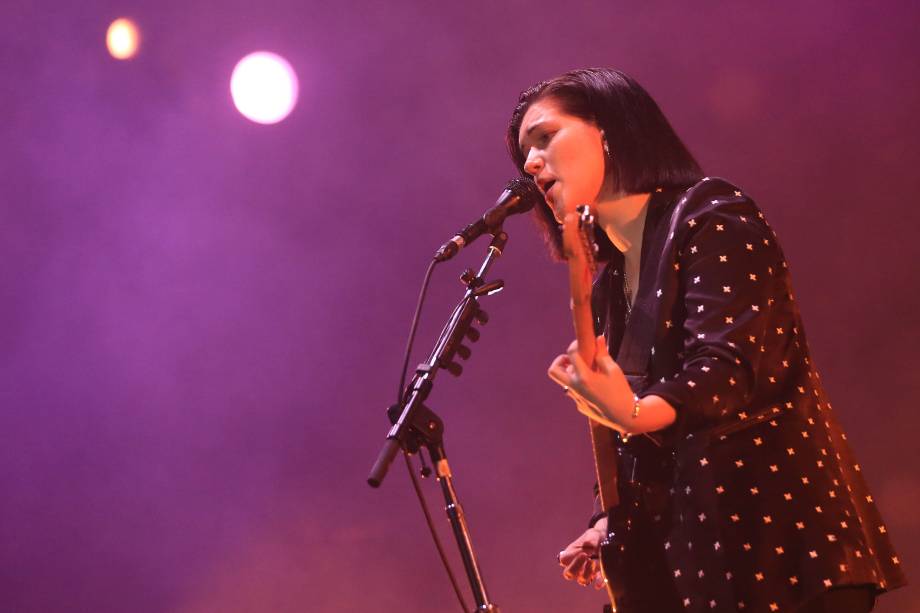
(578, 248)
(582, 316)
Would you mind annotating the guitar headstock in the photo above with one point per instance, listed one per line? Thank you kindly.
(578, 238)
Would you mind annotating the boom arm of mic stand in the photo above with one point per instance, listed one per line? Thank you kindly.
(414, 424)
(420, 386)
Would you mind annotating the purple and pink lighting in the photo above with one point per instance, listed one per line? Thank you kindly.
(202, 319)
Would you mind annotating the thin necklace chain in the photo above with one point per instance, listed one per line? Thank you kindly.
(627, 293)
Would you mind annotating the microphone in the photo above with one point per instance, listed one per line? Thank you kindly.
(519, 196)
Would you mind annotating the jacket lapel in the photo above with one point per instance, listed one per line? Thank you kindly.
(666, 210)
(635, 349)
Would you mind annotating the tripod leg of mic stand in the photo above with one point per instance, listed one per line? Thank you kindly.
(461, 533)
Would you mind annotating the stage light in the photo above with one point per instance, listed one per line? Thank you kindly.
(264, 87)
(123, 39)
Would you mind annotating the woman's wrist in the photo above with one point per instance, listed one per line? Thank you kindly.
(624, 411)
(600, 525)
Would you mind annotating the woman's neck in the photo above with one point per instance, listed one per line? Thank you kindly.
(622, 218)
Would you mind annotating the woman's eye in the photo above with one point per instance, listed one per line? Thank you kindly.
(540, 141)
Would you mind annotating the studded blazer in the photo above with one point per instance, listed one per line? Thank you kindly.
(766, 505)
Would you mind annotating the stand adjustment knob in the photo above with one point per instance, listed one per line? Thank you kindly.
(454, 369)
(467, 276)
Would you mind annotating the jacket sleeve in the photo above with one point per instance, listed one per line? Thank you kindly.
(728, 264)
(597, 511)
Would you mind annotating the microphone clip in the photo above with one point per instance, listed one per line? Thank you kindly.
(464, 238)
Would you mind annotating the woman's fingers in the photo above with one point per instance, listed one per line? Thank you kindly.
(570, 370)
(578, 364)
(570, 553)
(576, 566)
(576, 559)
(581, 569)
(565, 557)
(588, 573)
(558, 371)
(599, 581)
(605, 363)
(601, 348)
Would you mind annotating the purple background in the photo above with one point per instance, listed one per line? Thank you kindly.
(203, 319)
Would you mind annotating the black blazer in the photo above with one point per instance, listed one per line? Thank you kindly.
(766, 505)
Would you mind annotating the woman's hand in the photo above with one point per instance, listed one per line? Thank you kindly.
(603, 394)
(579, 559)
(597, 393)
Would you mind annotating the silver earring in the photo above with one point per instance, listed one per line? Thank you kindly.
(606, 148)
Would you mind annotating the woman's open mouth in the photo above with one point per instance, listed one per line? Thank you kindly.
(547, 187)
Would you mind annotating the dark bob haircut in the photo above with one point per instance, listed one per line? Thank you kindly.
(646, 152)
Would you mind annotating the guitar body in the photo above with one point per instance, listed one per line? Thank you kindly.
(579, 250)
(615, 547)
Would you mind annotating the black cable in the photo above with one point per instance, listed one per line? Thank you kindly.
(434, 534)
(399, 399)
(412, 330)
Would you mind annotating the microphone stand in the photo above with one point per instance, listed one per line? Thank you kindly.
(415, 425)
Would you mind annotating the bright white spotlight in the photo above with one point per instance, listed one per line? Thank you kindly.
(264, 87)
(122, 39)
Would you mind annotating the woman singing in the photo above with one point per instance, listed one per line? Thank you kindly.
(738, 489)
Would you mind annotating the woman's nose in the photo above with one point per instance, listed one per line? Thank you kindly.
(533, 164)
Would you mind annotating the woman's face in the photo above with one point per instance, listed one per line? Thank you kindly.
(564, 154)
